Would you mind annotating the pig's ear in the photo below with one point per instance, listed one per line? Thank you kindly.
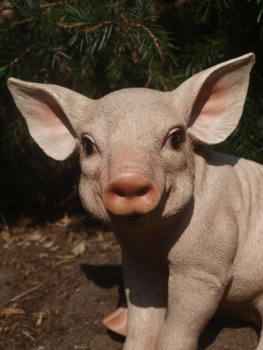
(216, 98)
(53, 115)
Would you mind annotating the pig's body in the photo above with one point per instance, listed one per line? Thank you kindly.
(230, 277)
(244, 298)
(189, 221)
(235, 222)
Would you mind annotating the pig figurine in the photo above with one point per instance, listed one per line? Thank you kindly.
(189, 221)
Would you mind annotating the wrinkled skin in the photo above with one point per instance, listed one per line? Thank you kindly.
(189, 221)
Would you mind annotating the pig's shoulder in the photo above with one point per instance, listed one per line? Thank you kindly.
(249, 174)
(214, 166)
(221, 159)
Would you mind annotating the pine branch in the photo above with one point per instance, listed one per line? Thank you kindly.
(28, 49)
(117, 25)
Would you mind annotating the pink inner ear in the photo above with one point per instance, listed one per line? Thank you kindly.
(48, 118)
(210, 101)
(52, 116)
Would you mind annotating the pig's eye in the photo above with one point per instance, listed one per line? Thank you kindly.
(88, 146)
(174, 140)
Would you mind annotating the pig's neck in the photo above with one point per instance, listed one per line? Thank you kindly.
(156, 243)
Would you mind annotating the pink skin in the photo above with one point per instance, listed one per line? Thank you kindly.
(131, 193)
(117, 320)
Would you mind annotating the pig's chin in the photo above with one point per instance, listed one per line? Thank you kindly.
(132, 218)
(149, 222)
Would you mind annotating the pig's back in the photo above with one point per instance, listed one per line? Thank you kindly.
(247, 284)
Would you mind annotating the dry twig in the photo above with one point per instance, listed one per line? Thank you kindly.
(27, 292)
(22, 54)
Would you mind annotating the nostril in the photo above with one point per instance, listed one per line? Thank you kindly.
(142, 191)
(119, 192)
(130, 192)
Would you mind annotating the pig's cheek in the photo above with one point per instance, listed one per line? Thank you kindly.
(180, 191)
(91, 199)
(179, 185)
(183, 192)
(90, 192)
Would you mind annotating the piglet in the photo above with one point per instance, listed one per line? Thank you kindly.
(189, 221)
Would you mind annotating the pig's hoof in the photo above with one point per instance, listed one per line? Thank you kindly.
(116, 321)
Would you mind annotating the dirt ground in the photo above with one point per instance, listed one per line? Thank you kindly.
(57, 281)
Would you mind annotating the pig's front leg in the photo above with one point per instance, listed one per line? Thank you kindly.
(146, 291)
(194, 295)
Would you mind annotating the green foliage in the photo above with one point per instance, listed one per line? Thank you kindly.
(76, 43)
(95, 47)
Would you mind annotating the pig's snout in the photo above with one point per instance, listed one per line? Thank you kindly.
(131, 193)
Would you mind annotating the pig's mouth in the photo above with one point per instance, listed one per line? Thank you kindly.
(127, 219)
(133, 217)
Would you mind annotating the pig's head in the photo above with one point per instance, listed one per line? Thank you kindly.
(136, 145)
